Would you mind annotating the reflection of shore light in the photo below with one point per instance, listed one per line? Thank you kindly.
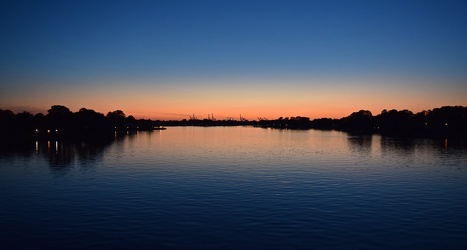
(37, 145)
(446, 143)
(56, 147)
(48, 145)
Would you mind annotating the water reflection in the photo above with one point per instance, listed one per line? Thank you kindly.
(404, 146)
(202, 186)
(408, 146)
(404, 152)
(228, 144)
(61, 154)
(360, 145)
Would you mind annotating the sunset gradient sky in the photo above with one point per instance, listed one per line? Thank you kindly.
(172, 59)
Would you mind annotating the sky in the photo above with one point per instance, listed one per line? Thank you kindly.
(172, 59)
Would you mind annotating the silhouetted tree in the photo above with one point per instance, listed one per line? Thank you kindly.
(25, 122)
(116, 118)
(449, 119)
(89, 120)
(59, 117)
(117, 114)
(358, 122)
(395, 122)
(7, 120)
(324, 123)
(58, 111)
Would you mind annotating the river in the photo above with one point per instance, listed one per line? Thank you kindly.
(235, 188)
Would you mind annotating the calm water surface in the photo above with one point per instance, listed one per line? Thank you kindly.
(232, 188)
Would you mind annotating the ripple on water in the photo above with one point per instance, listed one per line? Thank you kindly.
(239, 188)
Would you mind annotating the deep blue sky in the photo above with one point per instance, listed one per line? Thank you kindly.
(79, 48)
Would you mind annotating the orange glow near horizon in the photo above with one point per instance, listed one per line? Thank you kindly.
(224, 99)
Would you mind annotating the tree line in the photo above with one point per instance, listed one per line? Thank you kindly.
(61, 121)
(444, 121)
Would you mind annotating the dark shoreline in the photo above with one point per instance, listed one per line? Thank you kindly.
(61, 123)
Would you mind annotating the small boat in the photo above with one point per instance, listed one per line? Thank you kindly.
(159, 128)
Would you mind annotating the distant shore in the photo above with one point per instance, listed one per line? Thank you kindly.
(60, 122)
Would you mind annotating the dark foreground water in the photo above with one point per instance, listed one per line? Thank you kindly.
(235, 188)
